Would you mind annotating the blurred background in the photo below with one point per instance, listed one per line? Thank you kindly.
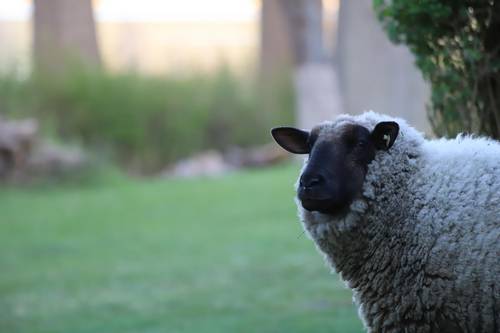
(139, 189)
(144, 85)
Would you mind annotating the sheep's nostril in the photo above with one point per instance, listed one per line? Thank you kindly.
(309, 181)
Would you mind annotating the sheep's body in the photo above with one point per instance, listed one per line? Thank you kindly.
(421, 246)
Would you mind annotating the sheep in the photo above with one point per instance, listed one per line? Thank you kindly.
(411, 225)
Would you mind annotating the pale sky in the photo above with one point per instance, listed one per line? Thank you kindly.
(152, 10)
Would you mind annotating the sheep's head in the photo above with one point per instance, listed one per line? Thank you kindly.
(339, 155)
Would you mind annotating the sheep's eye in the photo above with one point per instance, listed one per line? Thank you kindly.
(361, 144)
(350, 141)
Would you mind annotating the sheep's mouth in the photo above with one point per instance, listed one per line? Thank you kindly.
(322, 205)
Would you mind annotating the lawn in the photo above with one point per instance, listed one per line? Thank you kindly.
(205, 255)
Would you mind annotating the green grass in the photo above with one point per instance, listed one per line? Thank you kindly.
(206, 255)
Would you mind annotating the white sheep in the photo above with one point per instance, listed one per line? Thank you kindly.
(412, 225)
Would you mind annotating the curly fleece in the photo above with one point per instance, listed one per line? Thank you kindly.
(420, 247)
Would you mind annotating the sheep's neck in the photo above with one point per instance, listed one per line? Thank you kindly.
(374, 241)
(370, 251)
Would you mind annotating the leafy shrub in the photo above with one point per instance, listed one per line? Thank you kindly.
(147, 122)
(456, 44)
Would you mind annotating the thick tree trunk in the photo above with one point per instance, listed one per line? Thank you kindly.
(374, 73)
(315, 80)
(64, 32)
(292, 34)
(305, 22)
(275, 49)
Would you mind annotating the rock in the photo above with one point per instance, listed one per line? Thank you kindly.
(17, 138)
(255, 157)
(52, 160)
(25, 156)
(209, 163)
(212, 163)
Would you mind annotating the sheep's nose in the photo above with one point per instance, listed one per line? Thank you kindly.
(311, 180)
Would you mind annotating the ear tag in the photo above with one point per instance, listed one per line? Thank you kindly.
(387, 139)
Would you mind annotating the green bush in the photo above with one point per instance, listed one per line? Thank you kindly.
(456, 44)
(147, 122)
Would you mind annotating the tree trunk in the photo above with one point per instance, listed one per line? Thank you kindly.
(275, 50)
(374, 73)
(64, 32)
(315, 79)
(305, 22)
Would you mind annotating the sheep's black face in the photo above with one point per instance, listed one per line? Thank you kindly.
(338, 161)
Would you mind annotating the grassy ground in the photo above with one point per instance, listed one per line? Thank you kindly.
(221, 255)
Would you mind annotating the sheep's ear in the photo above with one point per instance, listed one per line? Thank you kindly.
(384, 134)
(291, 139)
